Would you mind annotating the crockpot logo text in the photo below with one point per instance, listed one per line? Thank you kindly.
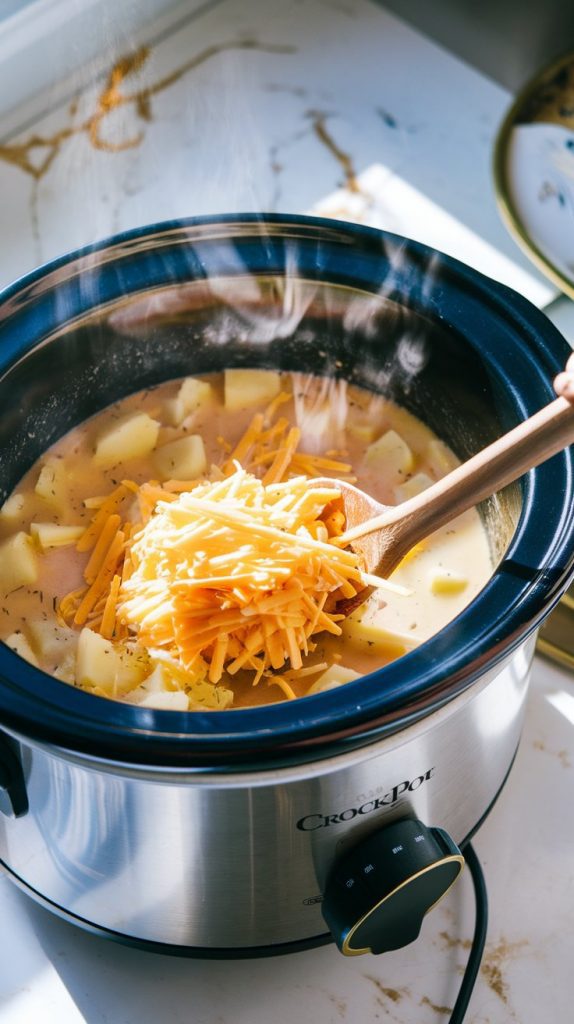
(313, 821)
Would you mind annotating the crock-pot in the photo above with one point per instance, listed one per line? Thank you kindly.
(251, 831)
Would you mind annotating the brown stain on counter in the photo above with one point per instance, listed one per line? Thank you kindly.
(339, 1004)
(319, 123)
(394, 994)
(495, 959)
(388, 998)
(560, 755)
(446, 1010)
(113, 97)
(451, 943)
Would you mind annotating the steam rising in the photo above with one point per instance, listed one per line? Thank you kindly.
(321, 408)
(260, 310)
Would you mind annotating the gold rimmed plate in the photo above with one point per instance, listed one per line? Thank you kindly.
(534, 171)
(534, 181)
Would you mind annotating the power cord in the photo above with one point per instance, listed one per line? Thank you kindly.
(478, 940)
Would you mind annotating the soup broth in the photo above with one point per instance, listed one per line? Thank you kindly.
(83, 598)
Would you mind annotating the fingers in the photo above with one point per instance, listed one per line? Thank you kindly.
(564, 386)
(564, 382)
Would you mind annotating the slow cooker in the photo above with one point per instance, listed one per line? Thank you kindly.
(342, 814)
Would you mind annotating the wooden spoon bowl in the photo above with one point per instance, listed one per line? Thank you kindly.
(383, 534)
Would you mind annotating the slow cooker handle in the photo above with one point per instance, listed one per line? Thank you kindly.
(14, 799)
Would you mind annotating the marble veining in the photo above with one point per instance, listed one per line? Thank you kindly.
(269, 107)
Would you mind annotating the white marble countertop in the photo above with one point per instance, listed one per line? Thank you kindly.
(333, 106)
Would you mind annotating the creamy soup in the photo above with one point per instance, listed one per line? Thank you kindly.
(170, 552)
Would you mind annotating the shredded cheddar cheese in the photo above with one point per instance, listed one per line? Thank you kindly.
(233, 572)
(237, 571)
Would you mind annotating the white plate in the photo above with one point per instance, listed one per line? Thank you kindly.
(534, 171)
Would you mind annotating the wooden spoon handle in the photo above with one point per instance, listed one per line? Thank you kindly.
(521, 449)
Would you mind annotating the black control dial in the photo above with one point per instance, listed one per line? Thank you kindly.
(378, 893)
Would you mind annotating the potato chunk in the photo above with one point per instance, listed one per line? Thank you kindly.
(364, 632)
(414, 485)
(96, 661)
(194, 393)
(13, 507)
(49, 640)
(168, 700)
(244, 388)
(53, 482)
(173, 412)
(114, 668)
(446, 581)
(130, 437)
(21, 645)
(206, 696)
(134, 664)
(362, 428)
(65, 670)
(390, 452)
(440, 458)
(165, 682)
(335, 675)
(183, 459)
(18, 562)
(50, 535)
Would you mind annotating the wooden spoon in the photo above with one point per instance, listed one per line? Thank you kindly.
(384, 534)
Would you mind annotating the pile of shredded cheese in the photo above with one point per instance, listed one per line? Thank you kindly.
(239, 571)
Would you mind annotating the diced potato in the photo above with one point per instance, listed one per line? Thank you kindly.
(66, 669)
(132, 668)
(364, 631)
(390, 452)
(194, 393)
(18, 562)
(158, 682)
(53, 482)
(49, 640)
(173, 411)
(335, 675)
(362, 428)
(244, 388)
(440, 458)
(206, 696)
(21, 645)
(446, 581)
(414, 485)
(175, 700)
(13, 507)
(113, 668)
(183, 459)
(50, 535)
(96, 662)
(165, 682)
(130, 437)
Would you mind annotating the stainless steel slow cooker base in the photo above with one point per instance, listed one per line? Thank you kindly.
(195, 952)
(238, 862)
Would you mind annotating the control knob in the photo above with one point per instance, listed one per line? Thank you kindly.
(378, 893)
